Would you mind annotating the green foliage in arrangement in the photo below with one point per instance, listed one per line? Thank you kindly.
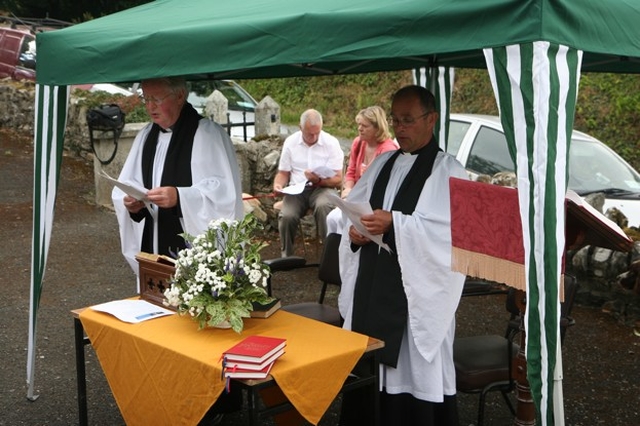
(220, 274)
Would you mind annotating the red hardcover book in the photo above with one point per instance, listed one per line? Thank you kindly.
(240, 373)
(251, 365)
(254, 349)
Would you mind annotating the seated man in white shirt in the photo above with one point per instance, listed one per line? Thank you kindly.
(305, 155)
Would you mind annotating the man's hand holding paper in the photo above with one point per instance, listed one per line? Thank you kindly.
(355, 212)
(294, 189)
(324, 172)
(136, 191)
(136, 195)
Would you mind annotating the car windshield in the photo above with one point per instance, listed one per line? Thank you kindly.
(238, 99)
(595, 168)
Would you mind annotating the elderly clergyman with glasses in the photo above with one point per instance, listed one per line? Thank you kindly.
(187, 166)
(407, 296)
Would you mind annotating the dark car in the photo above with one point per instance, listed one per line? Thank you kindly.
(18, 45)
(17, 54)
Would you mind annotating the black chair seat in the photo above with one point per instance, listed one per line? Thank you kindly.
(328, 274)
(286, 263)
(480, 360)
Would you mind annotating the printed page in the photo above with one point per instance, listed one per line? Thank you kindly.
(135, 191)
(130, 189)
(294, 189)
(133, 311)
(355, 211)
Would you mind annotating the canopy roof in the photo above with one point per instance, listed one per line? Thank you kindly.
(263, 38)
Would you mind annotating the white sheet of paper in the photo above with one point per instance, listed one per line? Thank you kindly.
(324, 172)
(354, 212)
(294, 189)
(130, 189)
(133, 311)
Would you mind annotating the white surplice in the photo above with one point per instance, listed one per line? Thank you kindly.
(423, 241)
(215, 193)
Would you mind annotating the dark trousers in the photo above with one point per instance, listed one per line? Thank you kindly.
(397, 410)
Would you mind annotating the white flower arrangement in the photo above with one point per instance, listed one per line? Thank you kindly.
(220, 274)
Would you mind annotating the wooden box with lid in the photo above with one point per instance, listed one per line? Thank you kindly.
(155, 276)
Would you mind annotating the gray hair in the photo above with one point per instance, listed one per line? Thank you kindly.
(174, 84)
(312, 117)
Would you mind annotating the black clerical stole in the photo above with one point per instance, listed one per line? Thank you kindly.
(176, 172)
(380, 303)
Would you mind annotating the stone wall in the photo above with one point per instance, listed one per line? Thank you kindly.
(16, 105)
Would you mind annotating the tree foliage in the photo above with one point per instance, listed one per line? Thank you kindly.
(66, 10)
(608, 106)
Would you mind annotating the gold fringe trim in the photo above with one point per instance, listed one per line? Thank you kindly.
(489, 268)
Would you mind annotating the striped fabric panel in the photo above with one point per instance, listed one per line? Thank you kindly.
(439, 80)
(536, 87)
(50, 122)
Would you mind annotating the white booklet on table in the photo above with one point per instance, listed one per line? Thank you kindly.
(133, 311)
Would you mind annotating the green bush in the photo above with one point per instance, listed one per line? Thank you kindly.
(608, 104)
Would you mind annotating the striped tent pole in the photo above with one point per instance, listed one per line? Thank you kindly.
(439, 80)
(50, 121)
(536, 86)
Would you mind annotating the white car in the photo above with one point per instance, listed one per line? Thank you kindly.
(478, 142)
(241, 106)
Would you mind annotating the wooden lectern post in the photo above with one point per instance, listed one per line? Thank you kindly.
(525, 409)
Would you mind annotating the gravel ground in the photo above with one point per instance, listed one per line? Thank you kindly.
(601, 368)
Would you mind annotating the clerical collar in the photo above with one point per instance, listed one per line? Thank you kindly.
(417, 151)
(169, 130)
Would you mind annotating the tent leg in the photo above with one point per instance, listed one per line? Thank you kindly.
(558, 404)
(525, 409)
(80, 342)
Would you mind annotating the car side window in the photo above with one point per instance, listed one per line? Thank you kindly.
(489, 153)
(457, 131)
(28, 53)
(237, 100)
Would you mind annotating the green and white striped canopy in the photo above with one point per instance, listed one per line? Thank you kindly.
(534, 50)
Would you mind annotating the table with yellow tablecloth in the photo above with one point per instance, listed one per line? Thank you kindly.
(167, 372)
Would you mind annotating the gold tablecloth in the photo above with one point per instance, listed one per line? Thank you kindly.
(166, 372)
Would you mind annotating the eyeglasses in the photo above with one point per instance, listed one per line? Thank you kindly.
(405, 121)
(153, 100)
